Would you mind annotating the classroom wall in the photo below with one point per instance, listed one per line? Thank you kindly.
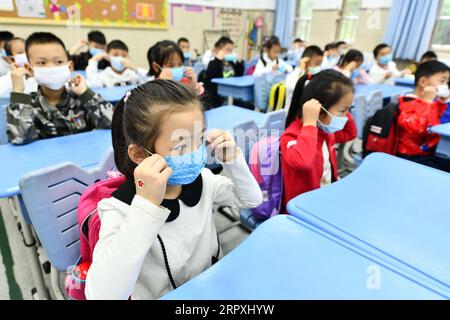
(184, 20)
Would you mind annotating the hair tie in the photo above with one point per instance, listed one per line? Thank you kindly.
(127, 95)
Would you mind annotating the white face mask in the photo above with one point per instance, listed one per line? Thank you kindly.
(20, 59)
(443, 91)
(52, 77)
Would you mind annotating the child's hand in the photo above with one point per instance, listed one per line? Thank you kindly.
(101, 56)
(304, 62)
(275, 67)
(128, 64)
(78, 85)
(222, 144)
(165, 74)
(17, 74)
(429, 94)
(388, 75)
(190, 74)
(351, 66)
(311, 112)
(151, 177)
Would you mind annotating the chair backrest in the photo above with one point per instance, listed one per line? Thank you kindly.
(358, 112)
(3, 136)
(261, 90)
(374, 103)
(199, 67)
(51, 199)
(246, 135)
(274, 121)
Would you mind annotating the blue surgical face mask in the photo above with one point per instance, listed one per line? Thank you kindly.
(314, 70)
(232, 57)
(356, 73)
(185, 168)
(385, 60)
(282, 68)
(95, 51)
(187, 55)
(3, 53)
(177, 73)
(116, 63)
(336, 123)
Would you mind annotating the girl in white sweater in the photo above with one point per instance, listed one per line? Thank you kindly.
(157, 230)
(270, 59)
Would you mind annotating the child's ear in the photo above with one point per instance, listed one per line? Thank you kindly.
(423, 82)
(136, 153)
(71, 67)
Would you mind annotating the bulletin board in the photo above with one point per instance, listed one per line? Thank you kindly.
(76, 13)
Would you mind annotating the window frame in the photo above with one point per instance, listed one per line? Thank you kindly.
(342, 18)
(440, 47)
(302, 19)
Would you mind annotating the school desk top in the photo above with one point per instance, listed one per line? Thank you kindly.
(387, 89)
(85, 150)
(227, 117)
(285, 259)
(244, 81)
(406, 82)
(391, 207)
(442, 129)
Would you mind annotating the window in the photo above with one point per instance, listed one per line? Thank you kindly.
(441, 37)
(303, 19)
(349, 20)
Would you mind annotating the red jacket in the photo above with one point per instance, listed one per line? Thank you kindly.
(415, 119)
(302, 157)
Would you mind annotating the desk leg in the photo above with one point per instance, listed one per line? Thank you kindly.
(33, 258)
(230, 100)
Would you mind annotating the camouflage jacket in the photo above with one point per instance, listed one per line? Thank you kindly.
(30, 117)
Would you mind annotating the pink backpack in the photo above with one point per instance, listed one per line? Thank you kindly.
(89, 224)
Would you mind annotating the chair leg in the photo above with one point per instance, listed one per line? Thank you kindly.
(54, 276)
(33, 258)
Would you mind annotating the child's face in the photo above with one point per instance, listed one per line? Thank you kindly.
(384, 52)
(118, 53)
(298, 45)
(316, 61)
(185, 47)
(435, 80)
(274, 52)
(340, 109)
(181, 133)
(17, 47)
(333, 52)
(174, 61)
(96, 45)
(47, 55)
(228, 48)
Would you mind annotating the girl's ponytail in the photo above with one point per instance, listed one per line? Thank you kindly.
(294, 108)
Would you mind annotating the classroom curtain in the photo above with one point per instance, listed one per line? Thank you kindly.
(284, 21)
(410, 27)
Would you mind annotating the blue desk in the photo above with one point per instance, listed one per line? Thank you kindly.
(443, 148)
(85, 150)
(113, 94)
(227, 117)
(405, 82)
(390, 207)
(284, 259)
(388, 90)
(236, 87)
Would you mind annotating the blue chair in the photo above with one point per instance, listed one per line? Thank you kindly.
(3, 136)
(199, 67)
(274, 121)
(51, 197)
(262, 90)
(374, 103)
(246, 135)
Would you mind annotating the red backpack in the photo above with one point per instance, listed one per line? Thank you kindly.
(381, 131)
(89, 227)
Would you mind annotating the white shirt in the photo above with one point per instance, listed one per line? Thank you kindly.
(377, 73)
(6, 85)
(208, 56)
(260, 69)
(110, 78)
(327, 174)
(291, 82)
(329, 63)
(4, 67)
(128, 258)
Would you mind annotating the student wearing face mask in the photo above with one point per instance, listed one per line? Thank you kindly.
(17, 58)
(270, 60)
(5, 36)
(422, 110)
(157, 230)
(121, 72)
(96, 43)
(165, 60)
(225, 64)
(310, 64)
(330, 56)
(318, 118)
(185, 46)
(61, 105)
(350, 66)
(385, 69)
